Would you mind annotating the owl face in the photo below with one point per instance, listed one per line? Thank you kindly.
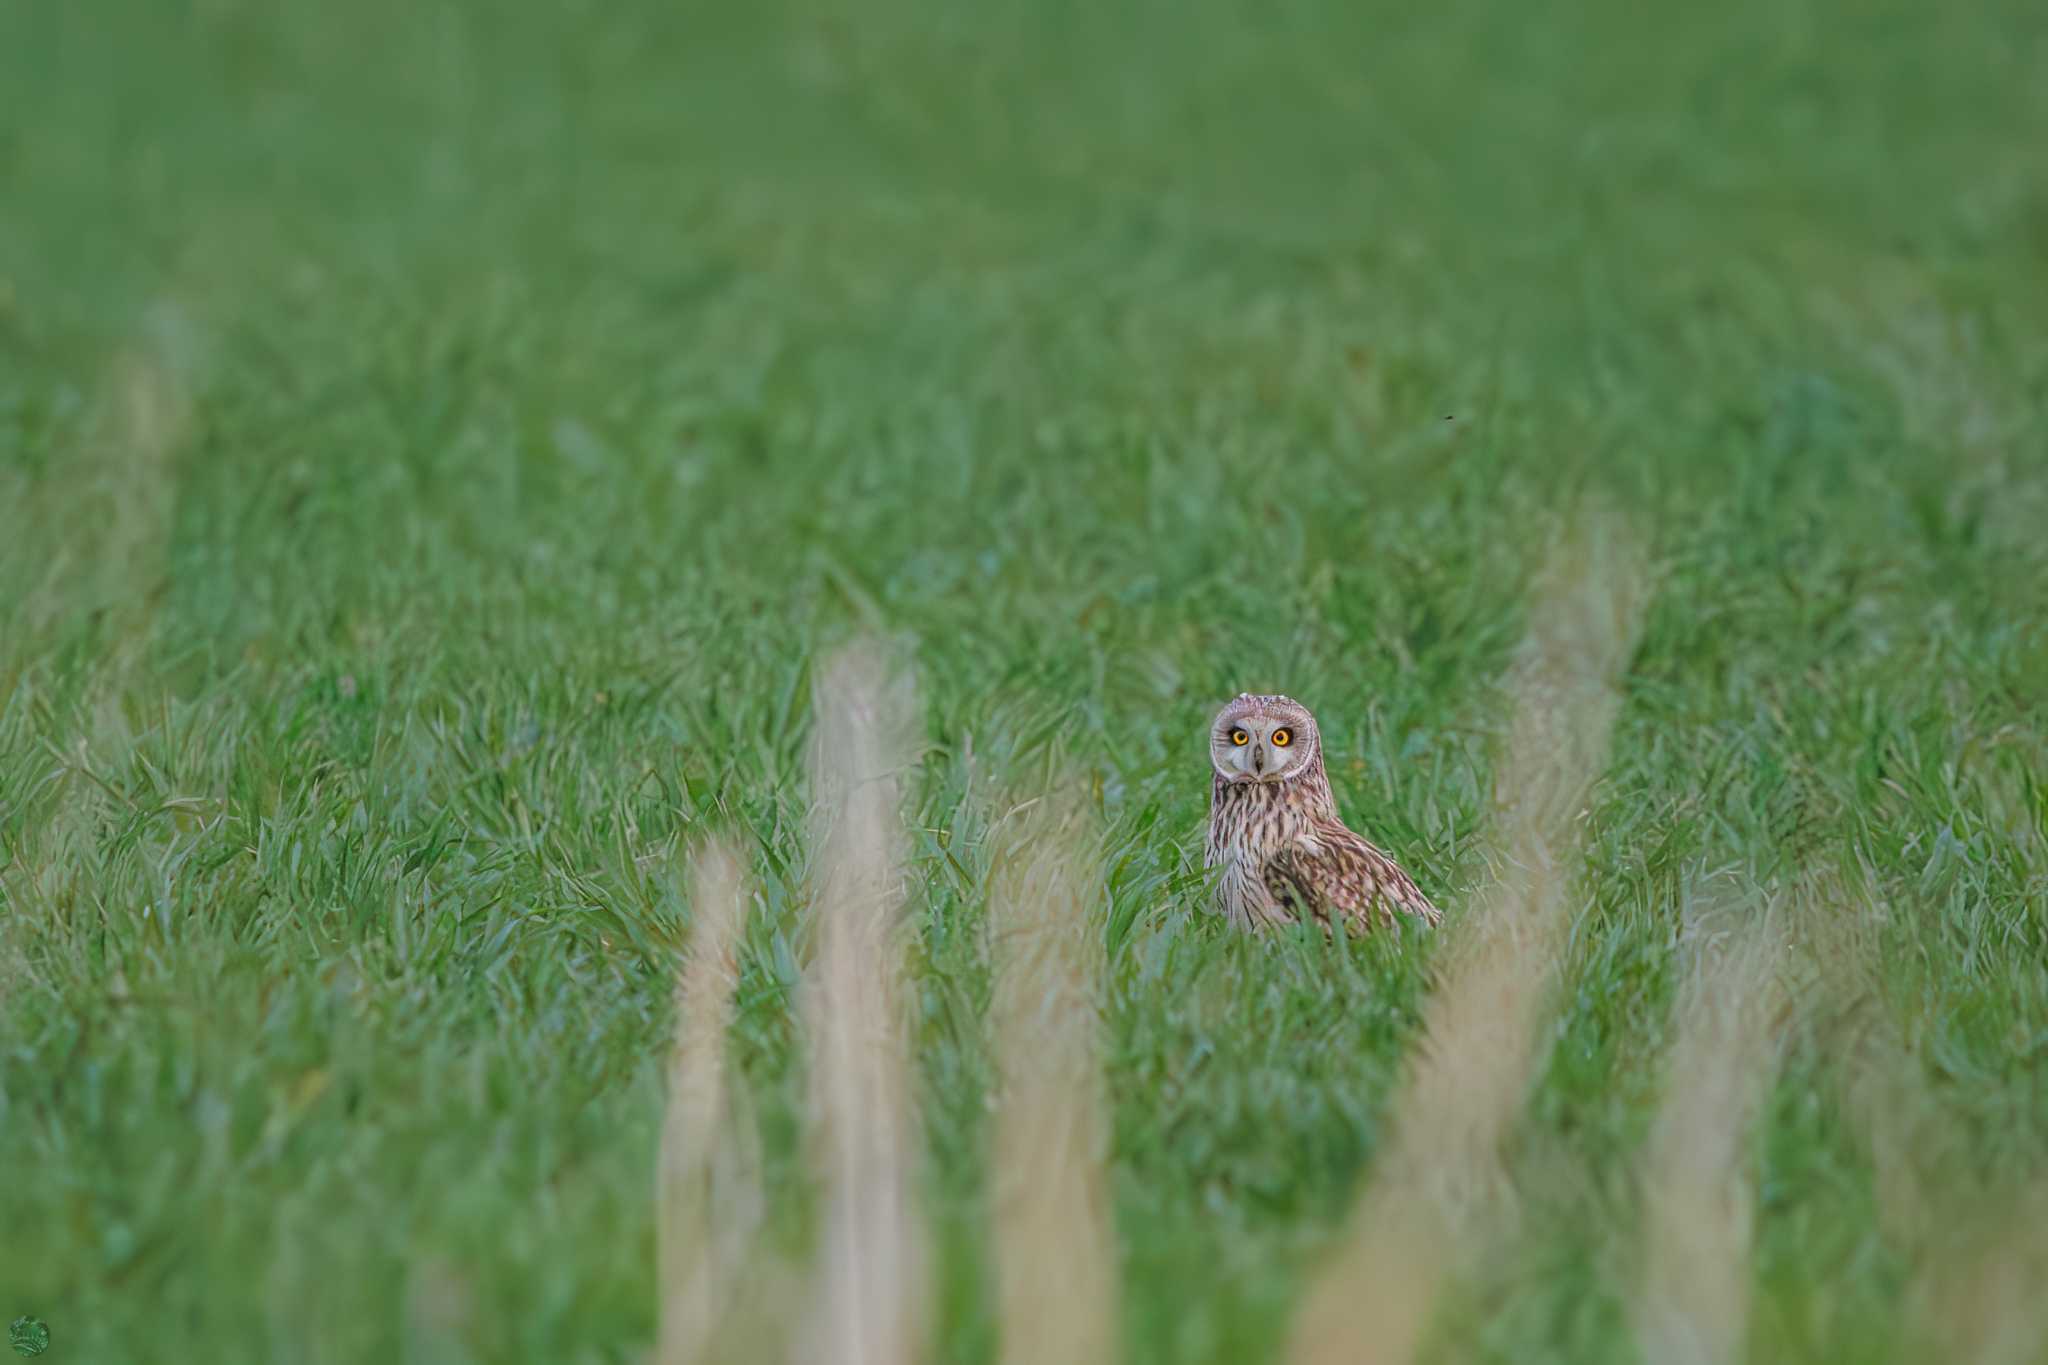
(1263, 739)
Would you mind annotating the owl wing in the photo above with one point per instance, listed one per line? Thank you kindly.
(1332, 872)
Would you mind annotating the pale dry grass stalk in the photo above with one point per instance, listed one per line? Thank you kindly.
(1439, 1180)
(1693, 1304)
(1055, 1240)
(708, 1188)
(869, 1304)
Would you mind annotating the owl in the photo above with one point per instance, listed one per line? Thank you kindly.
(1275, 835)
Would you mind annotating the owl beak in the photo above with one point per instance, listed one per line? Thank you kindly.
(1258, 759)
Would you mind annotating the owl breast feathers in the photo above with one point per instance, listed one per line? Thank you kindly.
(1274, 835)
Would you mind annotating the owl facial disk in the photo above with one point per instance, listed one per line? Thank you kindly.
(1257, 748)
(1264, 738)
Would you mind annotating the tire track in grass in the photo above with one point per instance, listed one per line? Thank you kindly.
(1692, 1305)
(708, 1184)
(1973, 1241)
(869, 1297)
(1054, 1235)
(1439, 1182)
(108, 550)
(99, 525)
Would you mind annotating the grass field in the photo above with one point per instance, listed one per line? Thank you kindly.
(441, 445)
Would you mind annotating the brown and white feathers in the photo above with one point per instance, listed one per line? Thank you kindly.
(1274, 832)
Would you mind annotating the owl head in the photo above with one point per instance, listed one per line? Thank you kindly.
(1264, 739)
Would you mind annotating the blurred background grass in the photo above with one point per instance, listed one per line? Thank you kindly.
(435, 439)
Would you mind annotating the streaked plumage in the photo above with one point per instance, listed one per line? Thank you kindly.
(1274, 833)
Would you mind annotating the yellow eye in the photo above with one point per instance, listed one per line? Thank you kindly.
(1240, 738)
(1282, 738)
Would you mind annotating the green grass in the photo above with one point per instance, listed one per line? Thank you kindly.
(436, 442)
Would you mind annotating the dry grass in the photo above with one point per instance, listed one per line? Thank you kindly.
(708, 1187)
(1693, 1304)
(1439, 1179)
(869, 1306)
(1055, 1242)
